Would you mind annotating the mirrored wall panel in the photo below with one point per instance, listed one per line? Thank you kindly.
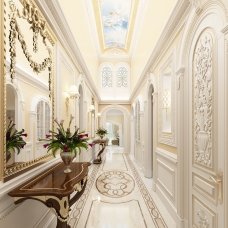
(29, 86)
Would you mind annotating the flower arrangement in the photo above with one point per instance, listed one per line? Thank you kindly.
(101, 132)
(66, 140)
(14, 139)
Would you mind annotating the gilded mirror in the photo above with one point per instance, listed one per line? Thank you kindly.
(28, 86)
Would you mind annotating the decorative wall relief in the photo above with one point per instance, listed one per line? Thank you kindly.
(32, 16)
(203, 220)
(203, 100)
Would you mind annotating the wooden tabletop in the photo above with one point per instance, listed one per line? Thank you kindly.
(53, 181)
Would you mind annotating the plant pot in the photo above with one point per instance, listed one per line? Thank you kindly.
(67, 158)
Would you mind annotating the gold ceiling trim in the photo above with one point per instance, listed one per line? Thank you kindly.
(98, 19)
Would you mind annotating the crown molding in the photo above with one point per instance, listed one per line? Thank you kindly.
(174, 23)
(114, 102)
(57, 21)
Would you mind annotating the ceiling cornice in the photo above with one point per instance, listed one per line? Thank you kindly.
(57, 21)
(173, 24)
(114, 102)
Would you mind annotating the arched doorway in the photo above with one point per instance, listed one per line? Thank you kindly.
(124, 131)
(114, 125)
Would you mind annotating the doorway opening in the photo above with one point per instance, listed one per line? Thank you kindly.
(114, 126)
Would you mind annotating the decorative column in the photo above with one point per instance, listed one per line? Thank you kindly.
(225, 32)
(147, 156)
(77, 112)
(155, 137)
(142, 140)
(132, 139)
(181, 157)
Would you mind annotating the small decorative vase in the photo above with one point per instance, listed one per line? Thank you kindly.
(67, 158)
(101, 136)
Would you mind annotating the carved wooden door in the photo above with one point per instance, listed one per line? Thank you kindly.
(205, 136)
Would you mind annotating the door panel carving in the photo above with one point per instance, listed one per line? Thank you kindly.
(203, 101)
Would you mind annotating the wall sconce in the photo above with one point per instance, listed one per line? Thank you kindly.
(72, 93)
(99, 116)
(92, 107)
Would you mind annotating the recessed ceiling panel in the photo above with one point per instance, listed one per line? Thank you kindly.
(115, 15)
(115, 19)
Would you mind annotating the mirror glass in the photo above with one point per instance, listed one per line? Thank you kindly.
(29, 91)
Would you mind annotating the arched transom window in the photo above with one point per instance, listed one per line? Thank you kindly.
(43, 119)
(122, 77)
(106, 77)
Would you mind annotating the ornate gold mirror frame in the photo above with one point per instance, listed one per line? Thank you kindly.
(2, 89)
(30, 13)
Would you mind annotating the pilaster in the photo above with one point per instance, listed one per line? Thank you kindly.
(182, 194)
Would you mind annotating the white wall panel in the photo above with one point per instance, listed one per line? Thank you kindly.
(166, 179)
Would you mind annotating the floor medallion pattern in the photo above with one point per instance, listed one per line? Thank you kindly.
(117, 197)
(115, 184)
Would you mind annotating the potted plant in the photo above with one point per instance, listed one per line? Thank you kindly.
(101, 132)
(67, 141)
(14, 139)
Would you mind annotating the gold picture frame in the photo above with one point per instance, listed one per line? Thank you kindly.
(30, 13)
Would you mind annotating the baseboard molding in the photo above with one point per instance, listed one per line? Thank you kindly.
(170, 207)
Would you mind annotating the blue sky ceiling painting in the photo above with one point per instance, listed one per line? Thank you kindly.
(115, 16)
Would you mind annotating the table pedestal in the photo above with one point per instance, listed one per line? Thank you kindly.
(59, 196)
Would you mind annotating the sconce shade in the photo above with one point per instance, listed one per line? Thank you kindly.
(92, 107)
(73, 91)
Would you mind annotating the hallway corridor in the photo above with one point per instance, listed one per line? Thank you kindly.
(117, 196)
(144, 83)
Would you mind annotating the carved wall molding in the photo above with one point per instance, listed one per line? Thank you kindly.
(203, 219)
(31, 14)
(197, 4)
(203, 100)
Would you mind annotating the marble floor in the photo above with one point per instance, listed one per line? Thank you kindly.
(118, 196)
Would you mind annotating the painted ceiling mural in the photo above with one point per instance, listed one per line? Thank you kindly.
(115, 20)
(115, 16)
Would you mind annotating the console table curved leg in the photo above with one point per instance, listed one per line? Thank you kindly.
(98, 159)
(62, 224)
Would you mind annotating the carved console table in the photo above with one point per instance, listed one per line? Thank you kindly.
(103, 143)
(53, 188)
